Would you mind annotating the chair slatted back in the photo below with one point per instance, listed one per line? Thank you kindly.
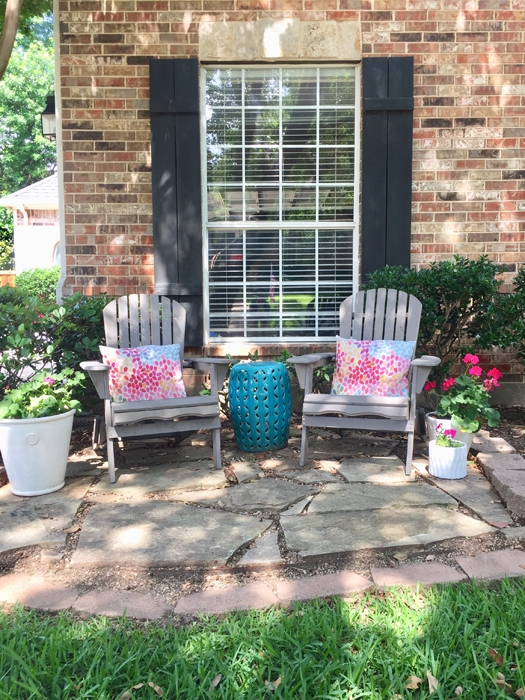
(140, 319)
(380, 314)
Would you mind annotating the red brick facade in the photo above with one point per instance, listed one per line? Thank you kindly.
(469, 120)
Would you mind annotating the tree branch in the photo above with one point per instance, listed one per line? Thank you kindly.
(7, 40)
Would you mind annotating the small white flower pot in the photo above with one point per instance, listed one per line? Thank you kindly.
(35, 452)
(432, 421)
(447, 462)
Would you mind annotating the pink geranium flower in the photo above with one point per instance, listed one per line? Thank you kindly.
(475, 371)
(494, 373)
(470, 359)
(451, 433)
(49, 381)
(429, 385)
(448, 383)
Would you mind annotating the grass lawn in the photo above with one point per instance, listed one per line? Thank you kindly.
(364, 649)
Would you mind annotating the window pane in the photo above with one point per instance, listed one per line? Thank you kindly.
(223, 87)
(280, 149)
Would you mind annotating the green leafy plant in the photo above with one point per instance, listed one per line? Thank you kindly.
(44, 395)
(455, 294)
(76, 329)
(24, 341)
(466, 398)
(41, 282)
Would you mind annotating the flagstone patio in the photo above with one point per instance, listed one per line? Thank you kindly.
(170, 508)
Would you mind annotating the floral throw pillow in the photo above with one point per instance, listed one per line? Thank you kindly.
(145, 373)
(372, 367)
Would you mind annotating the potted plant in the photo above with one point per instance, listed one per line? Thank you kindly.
(36, 420)
(464, 404)
(447, 457)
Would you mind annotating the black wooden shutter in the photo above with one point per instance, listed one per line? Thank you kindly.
(176, 186)
(386, 186)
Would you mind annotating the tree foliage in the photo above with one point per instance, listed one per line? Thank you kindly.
(30, 10)
(25, 155)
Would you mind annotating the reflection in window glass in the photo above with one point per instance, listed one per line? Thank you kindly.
(280, 166)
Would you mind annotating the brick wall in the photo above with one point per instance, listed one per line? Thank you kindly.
(469, 168)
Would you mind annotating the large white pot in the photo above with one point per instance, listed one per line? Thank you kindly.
(35, 452)
(432, 421)
(447, 462)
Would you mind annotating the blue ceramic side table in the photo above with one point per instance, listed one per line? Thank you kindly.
(260, 405)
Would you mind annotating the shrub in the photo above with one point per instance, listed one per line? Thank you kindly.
(456, 296)
(40, 282)
(36, 334)
(23, 336)
(77, 329)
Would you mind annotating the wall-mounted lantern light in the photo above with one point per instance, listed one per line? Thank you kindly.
(49, 119)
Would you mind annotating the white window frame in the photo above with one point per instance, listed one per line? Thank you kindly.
(353, 226)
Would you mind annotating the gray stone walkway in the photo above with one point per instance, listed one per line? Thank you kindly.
(169, 507)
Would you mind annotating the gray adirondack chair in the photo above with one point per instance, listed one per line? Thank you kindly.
(377, 314)
(145, 320)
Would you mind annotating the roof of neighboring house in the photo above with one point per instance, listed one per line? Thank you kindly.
(42, 194)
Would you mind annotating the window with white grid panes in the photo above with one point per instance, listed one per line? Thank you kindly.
(280, 187)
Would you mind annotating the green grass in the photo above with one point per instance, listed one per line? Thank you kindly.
(319, 650)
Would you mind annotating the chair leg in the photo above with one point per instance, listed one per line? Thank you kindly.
(304, 447)
(217, 462)
(410, 452)
(111, 461)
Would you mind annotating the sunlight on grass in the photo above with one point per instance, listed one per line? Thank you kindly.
(327, 650)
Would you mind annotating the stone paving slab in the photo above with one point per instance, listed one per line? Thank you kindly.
(267, 494)
(39, 520)
(36, 592)
(85, 463)
(482, 442)
(321, 586)
(244, 471)
(409, 575)
(374, 470)
(149, 456)
(510, 485)
(119, 603)
(312, 476)
(317, 534)
(161, 533)
(345, 448)
(139, 482)
(354, 497)
(491, 461)
(265, 553)
(298, 508)
(494, 565)
(253, 596)
(475, 492)
(514, 533)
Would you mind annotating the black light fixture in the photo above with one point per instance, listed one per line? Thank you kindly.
(49, 118)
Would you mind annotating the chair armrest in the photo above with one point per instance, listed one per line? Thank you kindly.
(217, 368)
(305, 365)
(426, 361)
(98, 372)
(421, 369)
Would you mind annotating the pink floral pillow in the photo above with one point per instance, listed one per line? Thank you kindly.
(145, 373)
(372, 367)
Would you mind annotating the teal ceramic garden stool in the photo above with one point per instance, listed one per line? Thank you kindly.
(260, 405)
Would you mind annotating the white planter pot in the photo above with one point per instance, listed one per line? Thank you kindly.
(447, 462)
(432, 421)
(35, 452)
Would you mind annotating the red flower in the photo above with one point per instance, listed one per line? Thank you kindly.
(448, 383)
(429, 385)
(494, 373)
(475, 371)
(470, 359)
